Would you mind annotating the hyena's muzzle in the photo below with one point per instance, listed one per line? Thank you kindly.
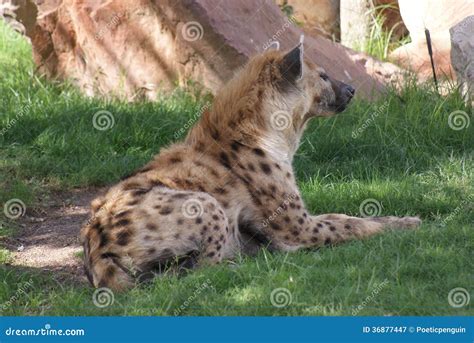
(343, 95)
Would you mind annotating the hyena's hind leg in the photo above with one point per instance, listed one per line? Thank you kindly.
(328, 229)
(340, 227)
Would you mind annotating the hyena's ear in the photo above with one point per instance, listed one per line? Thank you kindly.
(291, 66)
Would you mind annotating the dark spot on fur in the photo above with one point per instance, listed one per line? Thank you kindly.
(134, 202)
(209, 240)
(251, 167)
(314, 239)
(266, 168)
(122, 222)
(165, 211)
(122, 214)
(173, 160)
(301, 220)
(109, 255)
(110, 272)
(216, 228)
(236, 145)
(327, 241)
(151, 251)
(320, 225)
(151, 226)
(211, 254)
(224, 159)
(198, 220)
(139, 192)
(123, 237)
(347, 227)
(179, 195)
(258, 152)
(275, 226)
(215, 217)
(180, 221)
(220, 190)
(104, 239)
(332, 228)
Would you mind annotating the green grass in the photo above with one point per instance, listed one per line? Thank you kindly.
(408, 159)
(381, 41)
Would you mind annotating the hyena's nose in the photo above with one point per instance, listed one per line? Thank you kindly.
(349, 91)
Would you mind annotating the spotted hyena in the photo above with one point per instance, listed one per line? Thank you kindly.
(229, 188)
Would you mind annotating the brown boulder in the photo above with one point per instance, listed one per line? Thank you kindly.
(438, 17)
(462, 56)
(132, 48)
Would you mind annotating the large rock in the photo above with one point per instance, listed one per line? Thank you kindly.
(438, 17)
(318, 17)
(133, 48)
(462, 55)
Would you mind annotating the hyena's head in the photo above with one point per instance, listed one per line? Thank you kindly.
(273, 97)
(304, 89)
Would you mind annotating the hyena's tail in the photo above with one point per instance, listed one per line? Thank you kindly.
(102, 268)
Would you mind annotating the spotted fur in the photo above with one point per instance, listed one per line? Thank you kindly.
(229, 188)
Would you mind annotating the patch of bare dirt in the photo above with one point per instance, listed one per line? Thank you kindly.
(48, 237)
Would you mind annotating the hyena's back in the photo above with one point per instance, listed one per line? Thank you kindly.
(139, 231)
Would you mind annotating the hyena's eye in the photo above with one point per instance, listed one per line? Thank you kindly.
(324, 76)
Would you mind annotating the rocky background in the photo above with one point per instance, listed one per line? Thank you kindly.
(135, 48)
